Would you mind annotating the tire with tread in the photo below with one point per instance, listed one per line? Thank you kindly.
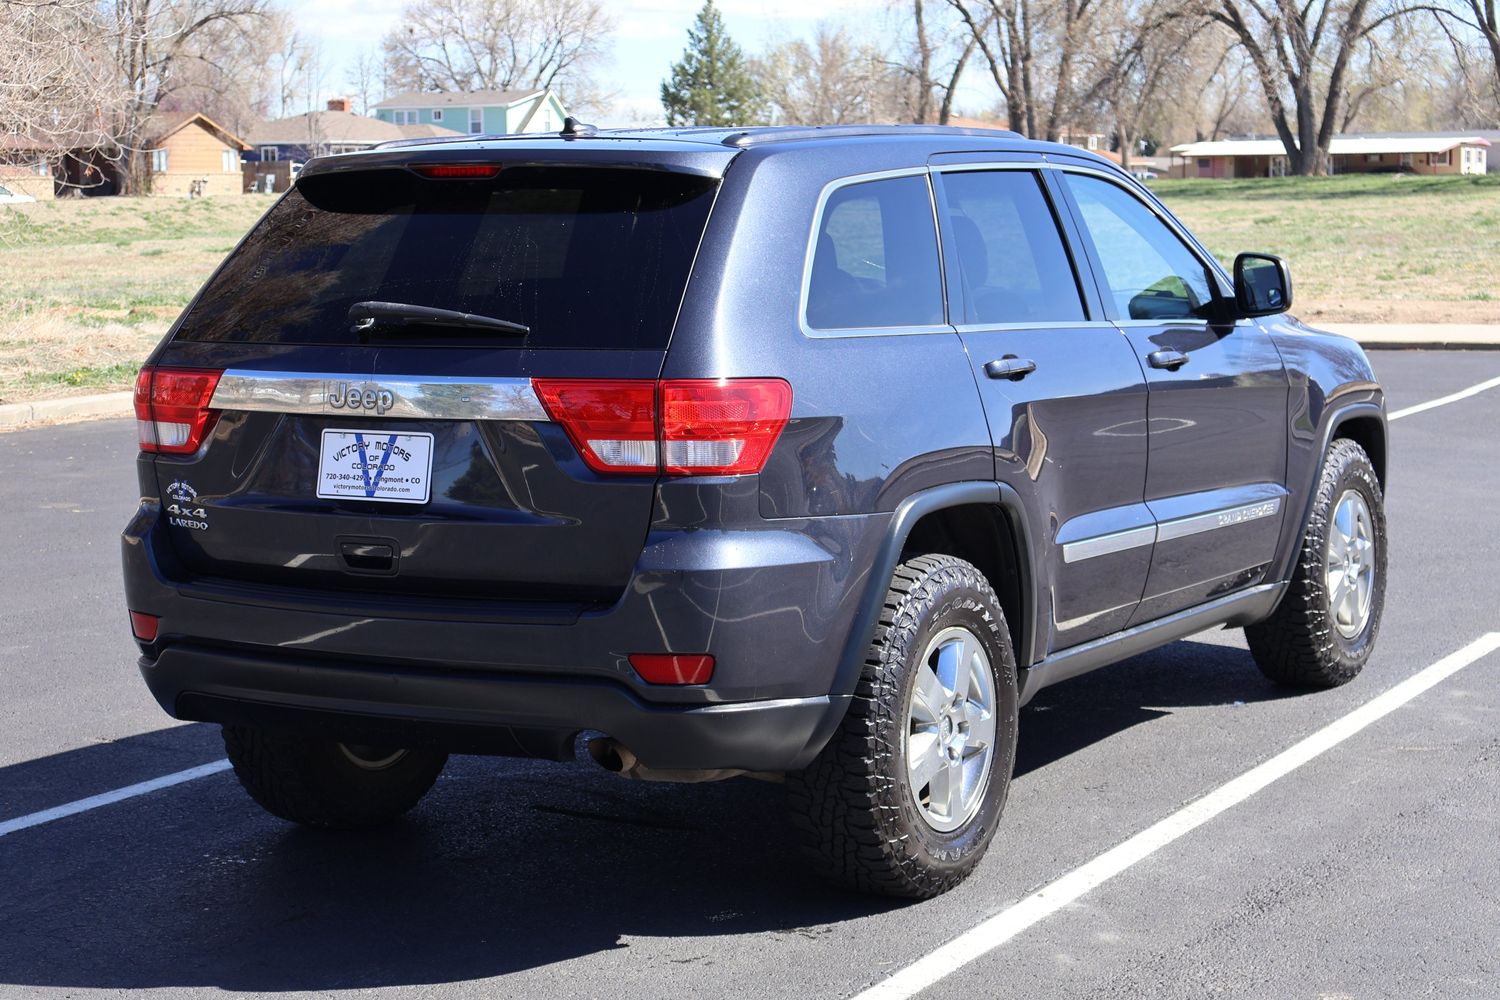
(851, 809)
(313, 782)
(1298, 645)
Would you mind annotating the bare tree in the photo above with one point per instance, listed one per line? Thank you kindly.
(1302, 53)
(365, 82)
(59, 91)
(1139, 59)
(834, 79)
(152, 41)
(497, 44)
(1480, 17)
(928, 67)
(1035, 51)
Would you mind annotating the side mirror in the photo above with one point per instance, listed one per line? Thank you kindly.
(1262, 284)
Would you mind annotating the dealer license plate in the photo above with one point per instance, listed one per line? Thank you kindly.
(375, 465)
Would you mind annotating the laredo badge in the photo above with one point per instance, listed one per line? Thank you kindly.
(184, 510)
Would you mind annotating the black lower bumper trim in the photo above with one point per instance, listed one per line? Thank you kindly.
(470, 712)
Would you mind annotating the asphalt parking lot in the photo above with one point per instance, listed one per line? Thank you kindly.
(1369, 871)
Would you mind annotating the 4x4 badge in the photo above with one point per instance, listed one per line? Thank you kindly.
(370, 397)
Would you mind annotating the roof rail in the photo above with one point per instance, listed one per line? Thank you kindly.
(790, 133)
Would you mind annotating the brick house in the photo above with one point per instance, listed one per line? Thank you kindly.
(190, 155)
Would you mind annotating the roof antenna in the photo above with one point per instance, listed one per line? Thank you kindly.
(575, 129)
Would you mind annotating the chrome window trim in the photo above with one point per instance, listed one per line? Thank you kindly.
(808, 330)
(414, 397)
(1082, 324)
(1166, 531)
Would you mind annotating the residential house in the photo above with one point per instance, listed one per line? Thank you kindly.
(1411, 152)
(190, 155)
(336, 130)
(488, 112)
(72, 162)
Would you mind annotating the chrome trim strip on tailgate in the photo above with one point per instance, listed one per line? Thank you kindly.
(425, 397)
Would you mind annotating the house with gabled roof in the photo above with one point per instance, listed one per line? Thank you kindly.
(335, 130)
(189, 154)
(487, 112)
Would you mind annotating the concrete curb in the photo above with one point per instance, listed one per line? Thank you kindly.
(14, 416)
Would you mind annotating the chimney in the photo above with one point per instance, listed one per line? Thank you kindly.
(340, 104)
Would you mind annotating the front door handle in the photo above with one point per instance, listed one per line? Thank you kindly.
(1010, 367)
(1170, 360)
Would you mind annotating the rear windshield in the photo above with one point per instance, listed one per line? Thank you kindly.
(586, 257)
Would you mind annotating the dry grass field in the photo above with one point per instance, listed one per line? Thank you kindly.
(1377, 248)
(88, 286)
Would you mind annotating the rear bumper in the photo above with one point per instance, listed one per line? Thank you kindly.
(774, 607)
(466, 713)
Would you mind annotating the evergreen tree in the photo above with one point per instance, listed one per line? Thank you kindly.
(713, 84)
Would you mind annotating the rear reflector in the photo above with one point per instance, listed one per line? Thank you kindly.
(670, 668)
(458, 171)
(171, 408)
(683, 427)
(144, 626)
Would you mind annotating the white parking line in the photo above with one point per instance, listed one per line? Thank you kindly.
(1472, 390)
(109, 798)
(1006, 924)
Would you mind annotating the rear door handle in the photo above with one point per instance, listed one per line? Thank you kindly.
(1010, 367)
(1170, 360)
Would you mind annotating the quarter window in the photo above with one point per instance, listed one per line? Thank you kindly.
(1151, 273)
(875, 261)
(1011, 257)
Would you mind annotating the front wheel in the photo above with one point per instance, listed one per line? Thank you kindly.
(1324, 629)
(324, 783)
(907, 795)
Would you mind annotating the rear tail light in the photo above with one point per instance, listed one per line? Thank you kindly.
(171, 408)
(673, 668)
(612, 422)
(683, 427)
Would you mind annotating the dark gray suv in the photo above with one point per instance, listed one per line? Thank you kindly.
(807, 454)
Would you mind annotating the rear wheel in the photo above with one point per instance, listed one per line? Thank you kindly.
(1324, 629)
(907, 795)
(329, 784)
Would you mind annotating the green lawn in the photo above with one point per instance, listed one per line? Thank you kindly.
(1371, 248)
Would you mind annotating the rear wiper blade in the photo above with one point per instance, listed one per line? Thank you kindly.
(368, 315)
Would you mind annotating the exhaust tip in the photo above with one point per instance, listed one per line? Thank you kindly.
(609, 754)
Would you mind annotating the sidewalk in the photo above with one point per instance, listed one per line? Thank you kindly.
(1374, 336)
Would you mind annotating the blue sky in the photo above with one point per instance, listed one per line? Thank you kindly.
(649, 36)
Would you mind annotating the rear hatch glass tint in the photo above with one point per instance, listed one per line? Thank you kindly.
(586, 257)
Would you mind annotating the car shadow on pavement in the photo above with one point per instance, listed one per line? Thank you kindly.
(1071, 716)
(507, 866)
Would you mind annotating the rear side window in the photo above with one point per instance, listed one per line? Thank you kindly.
(586, 257)
(1010, 254)
(875, 261)
(1151, 273)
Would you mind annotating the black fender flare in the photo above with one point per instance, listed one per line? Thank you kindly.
(1334, 420)
(907, 514)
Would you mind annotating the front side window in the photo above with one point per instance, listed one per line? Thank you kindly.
(875, 261)
(1011, 258)
(1150, 272)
